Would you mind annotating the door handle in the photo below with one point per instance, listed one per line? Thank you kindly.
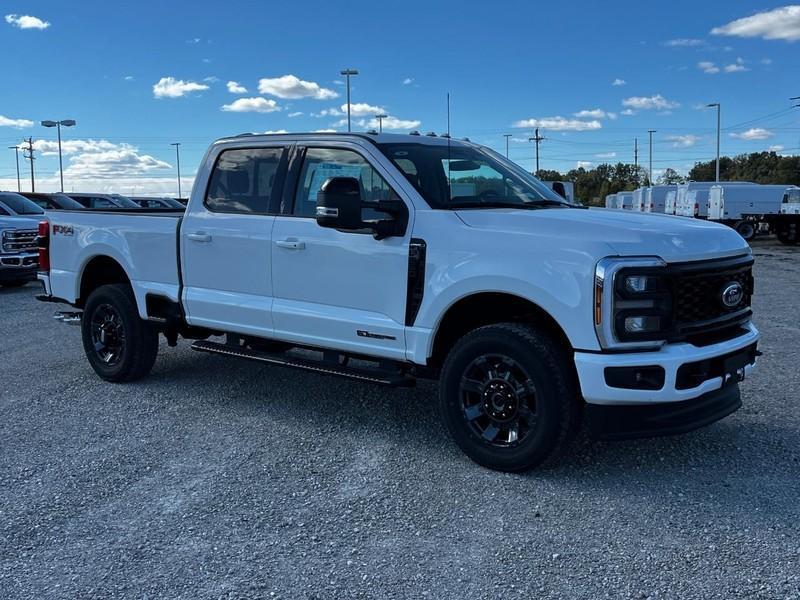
(291, 244)
(199, 236)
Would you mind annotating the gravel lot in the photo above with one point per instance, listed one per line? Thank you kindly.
(218, 478)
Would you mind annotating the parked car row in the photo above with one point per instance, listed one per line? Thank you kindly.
(747, 207)
(20, 214)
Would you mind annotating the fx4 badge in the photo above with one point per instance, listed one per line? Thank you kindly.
(63, 230)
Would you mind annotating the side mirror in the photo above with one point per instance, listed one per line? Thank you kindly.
(339, 204)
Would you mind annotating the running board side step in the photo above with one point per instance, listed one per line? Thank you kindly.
(378, 375)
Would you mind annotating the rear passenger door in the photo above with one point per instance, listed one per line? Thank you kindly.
(225, 242)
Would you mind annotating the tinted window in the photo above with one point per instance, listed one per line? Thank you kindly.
(3, 211)
(321, 164)
(100, 202)
(20, 204)
(243, 180)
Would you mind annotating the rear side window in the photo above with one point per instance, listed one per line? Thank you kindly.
(244, 180)
(102, 203)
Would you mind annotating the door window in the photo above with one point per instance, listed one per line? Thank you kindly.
(244, 180)
(321, 164)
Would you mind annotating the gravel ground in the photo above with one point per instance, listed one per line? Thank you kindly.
(218, 478)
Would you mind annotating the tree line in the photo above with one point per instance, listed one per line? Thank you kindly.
(593, 185)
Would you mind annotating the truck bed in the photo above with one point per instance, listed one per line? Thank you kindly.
(144, 243)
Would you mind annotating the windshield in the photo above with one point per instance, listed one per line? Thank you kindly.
(462, 176)
(20, 204)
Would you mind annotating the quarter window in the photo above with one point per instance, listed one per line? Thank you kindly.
(244, 180)
(321, 164)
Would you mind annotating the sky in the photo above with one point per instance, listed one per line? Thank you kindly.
(138, 77)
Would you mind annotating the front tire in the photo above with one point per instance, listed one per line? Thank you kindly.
(508, 397)
(120, 345)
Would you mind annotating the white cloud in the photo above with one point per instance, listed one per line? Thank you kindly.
(234, 87)
(128, 78)
(683, 141)
(291, 87)
(193, 41)
(408, 81)
(657, 102)
(559, 124)
(775, 148)
(766, 61)
(140, 185)
(50, 147)
(618, 82)
(684, 42)
(103, 160)
(755, 133)
(362, 109)
(17, 123)
(325, 131)
(628, 112)
(26, 22)
(275, 131)
(295, 114)
(257, 104)
(595, 113)
(328, 112)
(606, 155)
(169, 87)
(778, 24)
(211, 79)
(708, 67)
(389, 122)
(736, 67)
(583, 164)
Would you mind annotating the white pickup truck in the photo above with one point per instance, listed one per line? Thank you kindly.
(388, 258)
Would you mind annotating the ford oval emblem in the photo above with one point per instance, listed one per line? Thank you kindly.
(732, 294)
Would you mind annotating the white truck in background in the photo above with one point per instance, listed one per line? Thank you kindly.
(746, 208)
(656, 197)
(353, 255)
(670, 201)
(787, 224)
(624, 201)
(692, 198)
(611, 201)
(639, 198)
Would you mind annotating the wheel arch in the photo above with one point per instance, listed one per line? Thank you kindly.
(99, 270)
(486, 308)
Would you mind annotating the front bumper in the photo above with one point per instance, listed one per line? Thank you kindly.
(669, 418)
(19, 267)
(591, 371)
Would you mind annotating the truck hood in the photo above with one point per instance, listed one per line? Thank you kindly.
(19, 222)
(675, 239)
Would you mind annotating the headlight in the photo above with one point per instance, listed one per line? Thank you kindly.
(632, 302)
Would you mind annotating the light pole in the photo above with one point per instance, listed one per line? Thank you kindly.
(16, 152)
(380, 118)
(650, 132)
(716, 104)
(178, 159)
(507, 136)
(57, 125)
(347, 73)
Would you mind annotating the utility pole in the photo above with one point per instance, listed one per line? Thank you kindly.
(716, 104)
(31, 158)
(636, 159)
(650, 174)
(16, 153)
(507, 136)
(178, 158)
(380, 118)
(536, 138)
(347, 73)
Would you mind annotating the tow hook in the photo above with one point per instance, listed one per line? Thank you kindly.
(70, 318)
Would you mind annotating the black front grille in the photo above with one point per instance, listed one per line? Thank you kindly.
(697, 295)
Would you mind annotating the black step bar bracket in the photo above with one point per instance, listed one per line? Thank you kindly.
(380, 375)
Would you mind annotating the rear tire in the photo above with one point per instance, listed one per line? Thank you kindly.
(787, 235)
(120, 345)
(746, 229)
(508, 397)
